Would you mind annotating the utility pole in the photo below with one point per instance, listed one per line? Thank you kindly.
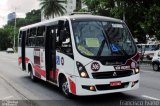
(14, 42)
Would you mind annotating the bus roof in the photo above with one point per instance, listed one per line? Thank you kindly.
(72, 17)
(94, 17)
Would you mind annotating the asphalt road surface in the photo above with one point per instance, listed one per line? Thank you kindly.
(16, 85)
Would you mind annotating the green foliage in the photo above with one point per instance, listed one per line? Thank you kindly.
(33, 17)
(152, 21)
(5, 40)
(99, 7)
(52, 7)
(140, 15)
(78, 6)
(7, 33)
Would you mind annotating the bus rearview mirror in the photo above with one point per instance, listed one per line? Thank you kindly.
(63, 35)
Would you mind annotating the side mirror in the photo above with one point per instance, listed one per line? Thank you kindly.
(63, 35)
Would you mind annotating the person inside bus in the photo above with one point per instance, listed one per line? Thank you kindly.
(65, 42)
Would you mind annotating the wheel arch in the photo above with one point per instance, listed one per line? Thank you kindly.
(155, 62)
(60, 77)
(30, 68)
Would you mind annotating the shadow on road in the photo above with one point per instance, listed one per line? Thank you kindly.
(112, 99)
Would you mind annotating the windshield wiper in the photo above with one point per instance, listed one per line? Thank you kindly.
(101, 48)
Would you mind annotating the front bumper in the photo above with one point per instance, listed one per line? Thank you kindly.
(102, 86)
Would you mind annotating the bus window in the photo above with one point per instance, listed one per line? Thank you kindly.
(41, 31)
(31, 40)
(27, 37)
(40, 36)
(65, 40)
(20, 36)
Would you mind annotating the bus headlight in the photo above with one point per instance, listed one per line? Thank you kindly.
(83, 74)
(82, 71)
(136, 70)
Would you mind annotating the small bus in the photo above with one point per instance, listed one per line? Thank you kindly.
(81, 54)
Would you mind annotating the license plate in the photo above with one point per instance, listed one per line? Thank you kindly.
(115, 83)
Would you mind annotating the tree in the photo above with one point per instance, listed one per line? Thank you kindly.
(141, 16)
(51, 8)
(5, 41)
(99, 7)
(78, 5)
(7, 33)
(33, 17)
(152, 21)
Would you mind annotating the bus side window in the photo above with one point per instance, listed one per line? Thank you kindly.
(27, 37)
(20, 36)
(65, 41)
(32, 35)
(40, 36)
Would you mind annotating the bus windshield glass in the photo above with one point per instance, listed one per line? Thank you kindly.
(103, 38)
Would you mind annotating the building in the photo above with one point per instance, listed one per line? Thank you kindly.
(11, 16)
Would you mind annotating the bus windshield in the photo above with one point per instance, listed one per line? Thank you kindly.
(103, 38)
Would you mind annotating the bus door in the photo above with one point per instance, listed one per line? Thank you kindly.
(50, 53)
(23, 50)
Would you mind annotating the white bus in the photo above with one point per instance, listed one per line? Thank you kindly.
(81, 54)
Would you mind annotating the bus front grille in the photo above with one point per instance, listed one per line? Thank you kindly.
(112, 74)
(108, 87)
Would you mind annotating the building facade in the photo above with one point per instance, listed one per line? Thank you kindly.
(11, 16)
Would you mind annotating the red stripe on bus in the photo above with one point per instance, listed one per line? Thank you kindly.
(26, 59)
(54, 74)
(37, 75)
(20, 60)
(51, 74)
(136, 57)
(72, 86)
(40, 71)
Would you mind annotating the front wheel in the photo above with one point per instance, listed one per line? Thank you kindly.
(65, 88)
(156, 67)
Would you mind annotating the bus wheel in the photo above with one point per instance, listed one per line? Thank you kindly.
(33, 78)
(65, 87)
(155, 67)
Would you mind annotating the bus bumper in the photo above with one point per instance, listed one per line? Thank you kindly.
(86, 86)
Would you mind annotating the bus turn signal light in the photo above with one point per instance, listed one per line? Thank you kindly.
(91, 88)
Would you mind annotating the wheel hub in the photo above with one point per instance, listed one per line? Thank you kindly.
(65, 87)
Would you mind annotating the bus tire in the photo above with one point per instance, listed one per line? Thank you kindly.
(156, 67)
(64, 86)
(33, 78)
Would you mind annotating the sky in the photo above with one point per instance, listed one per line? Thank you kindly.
(19, 6)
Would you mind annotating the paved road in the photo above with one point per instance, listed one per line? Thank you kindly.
(16, 85)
